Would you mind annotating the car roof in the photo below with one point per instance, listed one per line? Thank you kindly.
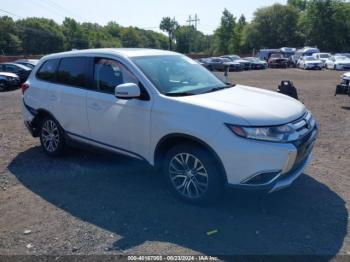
(126, 52)
(15, 64)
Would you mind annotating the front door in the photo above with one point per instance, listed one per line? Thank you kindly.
(117, 124)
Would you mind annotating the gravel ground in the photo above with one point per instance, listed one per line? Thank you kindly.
(94, 203)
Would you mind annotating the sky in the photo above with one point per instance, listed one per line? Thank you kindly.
(145, 14)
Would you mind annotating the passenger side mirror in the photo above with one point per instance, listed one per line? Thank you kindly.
(127, 91)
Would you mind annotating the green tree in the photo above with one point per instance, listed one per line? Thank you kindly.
(10, 44)
(131, 37)
(326, 24)
(169, 26)
(273, 27)
(40, 36)
(225, 34)
(237, 45)
(75, 38)
(298, 4)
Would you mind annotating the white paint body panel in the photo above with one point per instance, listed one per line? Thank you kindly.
(135, 127)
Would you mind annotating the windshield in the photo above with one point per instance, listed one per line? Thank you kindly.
(276, 55)
(225, 60)
(176, 74)
(310, 58)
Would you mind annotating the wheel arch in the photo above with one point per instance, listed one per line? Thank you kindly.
(39, 116)
(171, 140)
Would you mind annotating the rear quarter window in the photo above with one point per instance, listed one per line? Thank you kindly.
(47, 71)
(72, 71)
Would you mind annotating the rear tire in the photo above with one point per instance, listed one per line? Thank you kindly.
(51, 137)
(192, 174)
(3, 86)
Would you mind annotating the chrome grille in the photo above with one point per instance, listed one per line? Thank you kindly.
(304, 125)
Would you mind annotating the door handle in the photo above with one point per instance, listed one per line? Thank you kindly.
(95, 106)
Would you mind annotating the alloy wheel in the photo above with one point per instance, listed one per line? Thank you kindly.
(188, 175)
(50, 136)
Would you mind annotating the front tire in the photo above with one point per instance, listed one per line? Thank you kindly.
(192, 174)
(51, 137)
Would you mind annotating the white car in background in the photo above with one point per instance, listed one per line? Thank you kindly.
(169, 111)
(346, 76)
(323, 57)
(338, 63)
(309, 62)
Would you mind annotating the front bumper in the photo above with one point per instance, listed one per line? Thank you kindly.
(343, 67)
(264, 166)
(313, 66)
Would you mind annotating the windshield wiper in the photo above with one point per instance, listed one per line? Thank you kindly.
(220, 88)
(179, 94)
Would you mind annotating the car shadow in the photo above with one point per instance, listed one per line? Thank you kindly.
(128, 198)
(346, 107)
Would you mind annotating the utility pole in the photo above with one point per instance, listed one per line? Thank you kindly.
(190, 21)
(195, 20)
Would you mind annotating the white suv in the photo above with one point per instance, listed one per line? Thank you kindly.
(168, 110)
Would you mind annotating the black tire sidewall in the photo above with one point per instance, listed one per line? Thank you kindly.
(5, 86)
(215, 177)
(60, 146)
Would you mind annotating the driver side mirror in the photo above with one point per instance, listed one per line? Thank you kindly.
(127, 91)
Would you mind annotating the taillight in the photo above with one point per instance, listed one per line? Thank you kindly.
(24, 87)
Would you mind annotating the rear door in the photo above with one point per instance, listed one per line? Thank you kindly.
(67, 96)
(117, 124)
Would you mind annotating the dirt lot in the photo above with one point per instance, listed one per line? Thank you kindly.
(89, 203)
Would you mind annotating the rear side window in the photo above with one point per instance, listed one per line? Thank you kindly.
(72, 71)
(47, 71)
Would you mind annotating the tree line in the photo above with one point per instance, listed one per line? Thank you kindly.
(321, 23)
(43, 36)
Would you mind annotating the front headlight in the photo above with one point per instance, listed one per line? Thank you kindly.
(283, 134)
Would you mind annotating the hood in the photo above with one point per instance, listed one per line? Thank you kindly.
(346, 76)
(231, 63)
(8, 74)
(346, 61)
(255, 106)
(313, 62)
(242, 61)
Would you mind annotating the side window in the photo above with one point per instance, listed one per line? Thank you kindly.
(109, 73)
(47, 71)
(72, 71)
(11, 68)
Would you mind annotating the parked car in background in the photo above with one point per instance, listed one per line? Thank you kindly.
(8, 80)
(204, 62)
(154, 106)
(264, 54)
(287, 52)
(306, 51)
(346, 76)
(338, 63)
(18, 69)
(310, 62)
(256, 63)
(221, 64)
(343, 54)
(322, 56)
(27, 62)
(277, 60)
(235, 58)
